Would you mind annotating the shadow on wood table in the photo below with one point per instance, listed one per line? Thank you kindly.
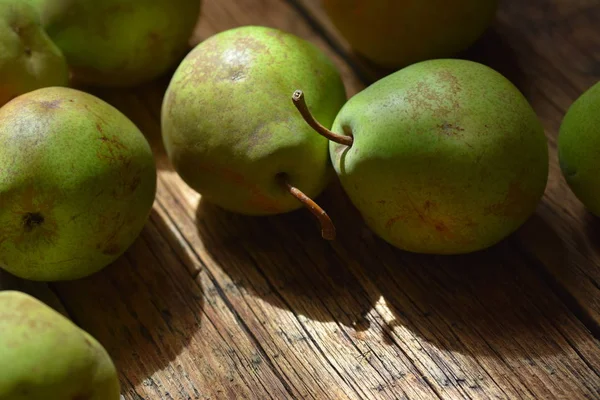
(143, 308)
(485, 303)
(592, 230)
(312, 283)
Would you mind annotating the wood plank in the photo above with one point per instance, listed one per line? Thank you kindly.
(169, 337)
(298, 330)
(558, 364)
(549, 49)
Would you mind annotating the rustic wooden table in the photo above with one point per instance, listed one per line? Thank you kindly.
(210, 305)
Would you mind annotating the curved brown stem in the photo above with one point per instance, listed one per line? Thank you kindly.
(300, 103)
(327, 227)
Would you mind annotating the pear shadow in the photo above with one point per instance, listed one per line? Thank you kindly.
(39, 290)
(368, 71)
(483, 303)
(565, 267)
(284, 261)
(491, 49)
(592, 231)
(494, 50)
(547, 251)
(144, 308)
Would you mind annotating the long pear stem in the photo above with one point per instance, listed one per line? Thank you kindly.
(300, 103)
(327, 227)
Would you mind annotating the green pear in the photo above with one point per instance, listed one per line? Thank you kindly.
(579, 148)
(77, 182)
(120, 42)
(230, 130)
(29, 60)
(45, 356)
(444, 156)
(398, 33)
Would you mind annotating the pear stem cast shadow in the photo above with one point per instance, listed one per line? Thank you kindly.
(327, 227)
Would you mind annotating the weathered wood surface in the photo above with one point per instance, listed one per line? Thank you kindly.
(208, 304)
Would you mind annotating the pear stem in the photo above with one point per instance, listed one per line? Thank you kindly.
(327, 227)
(300, 103)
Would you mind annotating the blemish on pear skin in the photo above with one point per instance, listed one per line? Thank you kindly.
(449, 129)
(440, 227)
(514, 205)
(428, 97)
(449, 229)
(154, 42)
(108, 245)
(111, 149)
(448, 77)
(33, 219)
(257, 46)
(135, 182)
(111, 250)
(390, 222)
(50, 105)
(256, 197)
(279, 35)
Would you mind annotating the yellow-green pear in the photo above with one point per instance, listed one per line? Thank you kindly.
(120, 42)
(29, 59)
(77, 182)
(231, 131)
(579, 148)
(396, 33)
(45, 356)
(444, 156)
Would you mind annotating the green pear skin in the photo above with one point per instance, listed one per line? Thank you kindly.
(29, 60)
(45, 356)
(448, 157)
(119, 43)
(579, 148)
(230, 127)
(77, 182)
(394, 34)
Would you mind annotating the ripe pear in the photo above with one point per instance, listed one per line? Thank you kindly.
(77, 182)
(444, 156)
(230, 130)
(579, 148)
(394, 34)
(45, 356)
(29, 59)
(120, 42)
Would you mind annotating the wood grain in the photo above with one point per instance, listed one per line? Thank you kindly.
(211, 305)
